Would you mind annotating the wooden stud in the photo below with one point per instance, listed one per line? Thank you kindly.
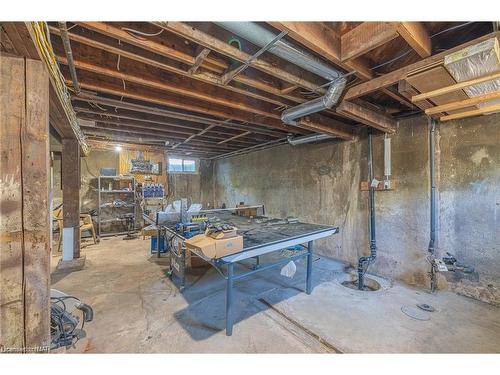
(475, 112)
(463, 103)
(455, 87)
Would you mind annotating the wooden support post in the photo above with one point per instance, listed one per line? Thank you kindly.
(70, 181)
(24, 198)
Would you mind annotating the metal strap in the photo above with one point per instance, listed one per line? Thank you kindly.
(226, 78)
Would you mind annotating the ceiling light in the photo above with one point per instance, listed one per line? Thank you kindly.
(118, 148)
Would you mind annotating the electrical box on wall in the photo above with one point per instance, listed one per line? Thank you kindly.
(385, 185)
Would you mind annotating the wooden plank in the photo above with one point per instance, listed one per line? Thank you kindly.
(70, 182)
(365, 37)
(172, 114)
(474, 112)
(199, 60)
(407, 90)
(35, 167)
(455, 87)
(432, 79)
(391, 78)
(367, 116)
(202, 76)
(201, 93)
(416, 36)
(12, 119)
(463, 103)
(182, 103)
(219, 46)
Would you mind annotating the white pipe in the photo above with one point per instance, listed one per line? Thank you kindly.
(294, 141)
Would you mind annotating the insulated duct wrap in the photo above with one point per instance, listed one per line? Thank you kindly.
(473, 62)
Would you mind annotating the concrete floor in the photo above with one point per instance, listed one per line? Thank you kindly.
(138, 309)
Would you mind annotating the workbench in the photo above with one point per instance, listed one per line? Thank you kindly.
(261, 236)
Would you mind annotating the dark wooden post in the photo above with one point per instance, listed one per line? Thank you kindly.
(70, 168)
(24, 202)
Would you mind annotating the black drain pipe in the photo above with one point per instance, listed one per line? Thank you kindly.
(365, 261)
(432, 167)
(432, 145)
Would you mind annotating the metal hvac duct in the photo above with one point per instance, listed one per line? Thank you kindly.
(326, 101)
(260, 36)
(294, 141)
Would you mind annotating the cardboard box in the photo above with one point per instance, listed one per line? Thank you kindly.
(213, 248)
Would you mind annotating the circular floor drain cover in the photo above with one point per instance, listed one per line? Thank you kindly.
(426, 307)
(415, 313)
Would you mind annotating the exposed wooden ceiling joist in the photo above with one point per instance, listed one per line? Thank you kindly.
(416, 36)
(391, 78)
(367, 116)
(365, 37)
(169, 114)
(206, 40)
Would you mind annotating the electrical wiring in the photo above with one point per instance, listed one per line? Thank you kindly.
(41, 33)
(137, 32)
(411, 50)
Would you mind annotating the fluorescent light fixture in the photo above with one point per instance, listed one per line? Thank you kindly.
(118, 148)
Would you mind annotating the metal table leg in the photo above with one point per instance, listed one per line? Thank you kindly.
(229, 299)
(309, 267)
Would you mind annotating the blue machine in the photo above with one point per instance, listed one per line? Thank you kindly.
(154, 244)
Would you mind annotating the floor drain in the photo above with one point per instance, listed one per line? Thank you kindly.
(426, 307)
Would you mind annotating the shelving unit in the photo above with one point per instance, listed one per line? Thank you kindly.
(104, 195)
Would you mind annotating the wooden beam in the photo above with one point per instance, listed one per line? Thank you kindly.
(463, 103)
(391, 78)
(407, 90)
(201, 93)
(149, 135)
(475, 112)
(136, 125)
(219, 46)
(36, 206)
(173, 114)
(455, 87)
(416, 36)
(182, 103)
(365, 37)
(206, 77)
(24, 198)
(150, 122)
(199, 60)
(325, 41)
(12, 120)
(367, 116)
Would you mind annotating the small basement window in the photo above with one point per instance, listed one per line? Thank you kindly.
(181, 165)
